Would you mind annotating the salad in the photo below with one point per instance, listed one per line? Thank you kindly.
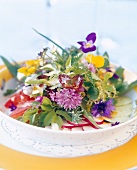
(70, 89)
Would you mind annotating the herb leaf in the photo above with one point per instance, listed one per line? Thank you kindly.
(11, 67)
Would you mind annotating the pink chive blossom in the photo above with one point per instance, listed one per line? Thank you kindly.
(67, 98)
(89, 66)
(52, 95)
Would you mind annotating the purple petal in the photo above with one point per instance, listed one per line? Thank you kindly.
(86, 50)
(91, 36)
(81, 43)
(13, 107)
(116, 123)
(115, 76)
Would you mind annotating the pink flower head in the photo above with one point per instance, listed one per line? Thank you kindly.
(68, 98)
(72, 82)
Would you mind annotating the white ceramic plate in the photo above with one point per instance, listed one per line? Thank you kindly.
(12, 139)
(46, 142)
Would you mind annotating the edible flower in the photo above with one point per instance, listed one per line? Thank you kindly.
(103, 108)
(72, 82)
(30, 68)
(32, 63)
(97, 61)
(88, 46)
(67, 98)
(12, 107)
(108, 69)
(27, 71)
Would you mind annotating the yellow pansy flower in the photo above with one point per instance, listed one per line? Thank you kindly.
(34, 63)
(27, 71)
(98, 61)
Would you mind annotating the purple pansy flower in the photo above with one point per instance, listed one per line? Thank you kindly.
(89, 45)
(103, 108)
(108, 69)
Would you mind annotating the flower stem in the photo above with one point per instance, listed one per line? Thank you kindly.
(51, 41)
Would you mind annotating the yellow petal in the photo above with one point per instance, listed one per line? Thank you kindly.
(23, 70)
(98, 61)
(89, 58)
(31, 70)
(32, 62)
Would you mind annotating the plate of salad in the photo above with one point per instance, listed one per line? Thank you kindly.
(68, 102)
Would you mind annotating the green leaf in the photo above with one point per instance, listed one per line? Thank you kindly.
(130, 87)
(51, 41)
(46, 101)
(12, 68)
(40, 81)
(42, 116)
(28, 115)
(90, 118)
(16, 64)
(64, 114)
(76, 58)
(109, 88)
(123, 88)
(59, 121)
(46, 108)
(49, 117)
(94, 76)
(9, 92)
(106, 57)
(35, 120)
(106, 78)
(120, 72)
(87, 83)
(68, 62)
(106, 54)
(93, 93)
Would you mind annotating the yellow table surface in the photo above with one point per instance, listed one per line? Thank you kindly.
(120, 158)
